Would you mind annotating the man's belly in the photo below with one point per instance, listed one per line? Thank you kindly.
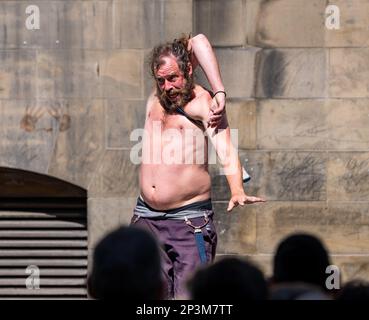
(172, 186)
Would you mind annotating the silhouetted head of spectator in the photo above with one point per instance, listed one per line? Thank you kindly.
(354, 290)
(297, 291)
(301, 258)
(126, 265)
(228, 279)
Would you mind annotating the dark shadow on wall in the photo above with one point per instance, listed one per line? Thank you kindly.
(271, 77)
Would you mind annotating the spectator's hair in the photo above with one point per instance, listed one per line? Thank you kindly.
(126, 265)
(179, 50)
(354, 290)
(228, 279)
(297, 291)
(301, 258)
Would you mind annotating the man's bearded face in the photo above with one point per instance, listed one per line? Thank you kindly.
(174, 89)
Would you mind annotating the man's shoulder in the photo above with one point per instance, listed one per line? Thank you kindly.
(151, 100)
(202, 94)
(199, 107)
(202, 97)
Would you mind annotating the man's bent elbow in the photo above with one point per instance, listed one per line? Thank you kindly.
(199, 37)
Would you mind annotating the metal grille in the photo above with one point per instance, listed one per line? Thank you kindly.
(49, 233)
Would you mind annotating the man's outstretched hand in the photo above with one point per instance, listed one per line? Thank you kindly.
(242, 199)
(217, 110)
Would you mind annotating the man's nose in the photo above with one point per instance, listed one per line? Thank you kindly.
(167, 85)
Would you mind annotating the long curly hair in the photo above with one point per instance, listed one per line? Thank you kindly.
(178, 49)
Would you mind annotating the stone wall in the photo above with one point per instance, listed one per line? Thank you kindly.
(72, 91)
(298, 93)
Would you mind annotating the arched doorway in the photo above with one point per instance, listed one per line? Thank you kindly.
(43, 236)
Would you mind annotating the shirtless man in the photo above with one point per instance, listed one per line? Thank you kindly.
(175, 203)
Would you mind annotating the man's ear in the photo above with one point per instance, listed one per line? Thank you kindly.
(189, 68)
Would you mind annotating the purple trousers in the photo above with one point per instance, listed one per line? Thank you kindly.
(179, 252)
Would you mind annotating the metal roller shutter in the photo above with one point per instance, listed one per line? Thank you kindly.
(43, 237)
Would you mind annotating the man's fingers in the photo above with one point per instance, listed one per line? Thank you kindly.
(234, 202)
(217, 110)
(209, 118)
(230, 205)
(215, 120)
(215, 117)
(214, 106)
(255, 199)
(214, 123)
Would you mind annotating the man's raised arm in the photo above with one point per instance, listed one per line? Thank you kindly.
(203, 54)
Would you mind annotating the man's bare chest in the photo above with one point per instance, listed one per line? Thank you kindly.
(158, 117)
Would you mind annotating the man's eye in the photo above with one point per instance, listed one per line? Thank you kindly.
(172, 78)
(160, 81)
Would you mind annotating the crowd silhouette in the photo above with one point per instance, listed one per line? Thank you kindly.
(126, 265)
